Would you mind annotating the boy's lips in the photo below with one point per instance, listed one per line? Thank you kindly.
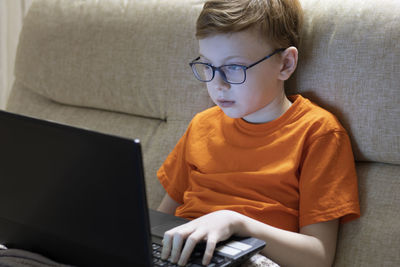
(225, 103)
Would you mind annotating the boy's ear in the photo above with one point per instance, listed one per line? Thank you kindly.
(288, 63)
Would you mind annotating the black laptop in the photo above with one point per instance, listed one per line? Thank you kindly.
(78, 197)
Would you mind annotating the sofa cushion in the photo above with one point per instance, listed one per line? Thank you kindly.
(349, 63)
(374, 239)
(124, 56)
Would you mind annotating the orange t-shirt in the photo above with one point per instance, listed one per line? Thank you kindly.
(294, 171)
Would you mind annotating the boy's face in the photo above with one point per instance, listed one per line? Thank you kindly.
(251, 99)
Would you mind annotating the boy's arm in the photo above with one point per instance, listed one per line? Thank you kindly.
(314, 246)
(168, 205)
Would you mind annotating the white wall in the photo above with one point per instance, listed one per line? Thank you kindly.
(11, 19)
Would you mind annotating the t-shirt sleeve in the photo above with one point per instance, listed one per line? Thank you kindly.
(174, 172)
(328, 181)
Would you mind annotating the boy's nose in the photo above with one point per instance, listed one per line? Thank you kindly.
(219, 83)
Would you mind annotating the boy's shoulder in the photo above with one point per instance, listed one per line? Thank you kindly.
(319, 119)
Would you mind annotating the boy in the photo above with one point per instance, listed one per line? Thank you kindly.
(258, 163)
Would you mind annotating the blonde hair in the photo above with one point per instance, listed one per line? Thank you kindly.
(278, 21)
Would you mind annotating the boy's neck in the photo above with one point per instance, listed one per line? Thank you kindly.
(272, 111)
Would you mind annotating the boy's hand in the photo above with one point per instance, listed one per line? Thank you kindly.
(212, 228)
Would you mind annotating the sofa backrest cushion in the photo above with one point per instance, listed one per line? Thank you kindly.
(349, 63)
(124, 56)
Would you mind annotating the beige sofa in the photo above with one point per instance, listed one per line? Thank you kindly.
(121, 67)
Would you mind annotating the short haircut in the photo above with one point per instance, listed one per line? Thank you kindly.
(278, 21)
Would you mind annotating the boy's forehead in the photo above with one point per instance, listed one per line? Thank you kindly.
(238, 44)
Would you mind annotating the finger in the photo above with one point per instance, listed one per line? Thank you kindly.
(167, 245)
(168, 242)
(177, 244)
(190, 244)
(208, 253)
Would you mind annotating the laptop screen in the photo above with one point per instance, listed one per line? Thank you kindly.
(73, 195)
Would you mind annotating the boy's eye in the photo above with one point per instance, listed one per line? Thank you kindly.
(233, 67)
(207, 67)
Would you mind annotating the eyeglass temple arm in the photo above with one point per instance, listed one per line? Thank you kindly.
(197, 58)
(264, 58)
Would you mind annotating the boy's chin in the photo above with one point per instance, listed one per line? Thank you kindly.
(232, 115)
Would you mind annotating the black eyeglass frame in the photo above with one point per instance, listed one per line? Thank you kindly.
(222, 73)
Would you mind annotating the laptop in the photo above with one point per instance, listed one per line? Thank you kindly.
(78, 197)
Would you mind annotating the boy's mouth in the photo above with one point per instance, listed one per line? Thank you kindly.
(225, 103)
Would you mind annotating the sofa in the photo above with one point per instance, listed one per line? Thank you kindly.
(121, 67)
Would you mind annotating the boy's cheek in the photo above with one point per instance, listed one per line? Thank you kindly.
(212, 93)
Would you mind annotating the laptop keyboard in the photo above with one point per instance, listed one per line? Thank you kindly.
(195, 260)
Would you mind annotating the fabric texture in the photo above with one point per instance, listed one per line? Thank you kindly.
(259, 260)
(11, 16)
(374, 239)
(294, 171)
(114, 56)
(349, 63)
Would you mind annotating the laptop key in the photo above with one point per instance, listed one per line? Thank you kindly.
(200, 265)
(195, 261)
(217, 260)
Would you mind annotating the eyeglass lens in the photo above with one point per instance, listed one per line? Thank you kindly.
(231, 73)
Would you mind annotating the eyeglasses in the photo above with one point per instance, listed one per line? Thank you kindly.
(230, 73)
